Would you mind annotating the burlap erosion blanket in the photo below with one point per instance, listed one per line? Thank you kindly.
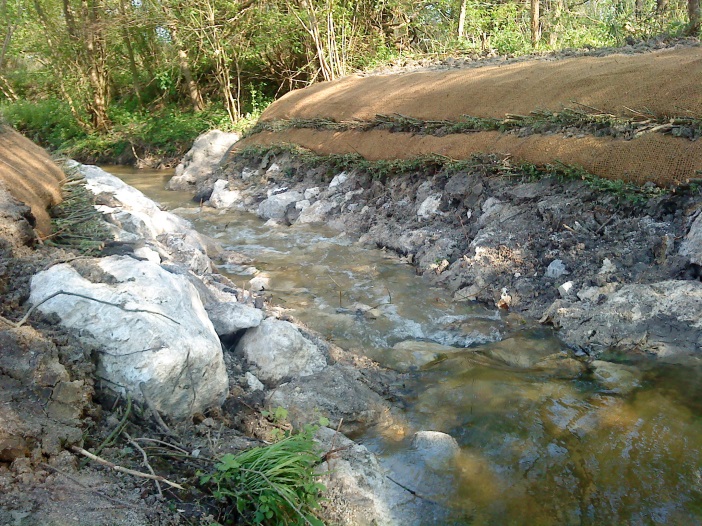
(659, 85)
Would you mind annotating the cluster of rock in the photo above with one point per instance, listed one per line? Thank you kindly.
(156, 315)
(588, 262)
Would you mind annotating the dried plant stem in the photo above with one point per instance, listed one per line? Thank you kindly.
(121, 469)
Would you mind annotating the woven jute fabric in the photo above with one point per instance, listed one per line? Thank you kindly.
(662, 84)
(30, 175)
(653, 157)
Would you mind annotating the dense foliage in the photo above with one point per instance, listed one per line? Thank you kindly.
(113, 76)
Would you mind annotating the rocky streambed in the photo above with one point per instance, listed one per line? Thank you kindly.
(462, 407)
(567, 429)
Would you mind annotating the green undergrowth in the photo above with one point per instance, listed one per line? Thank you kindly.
(273, 485)
(77, 225)
(486, 164)
(146, 136)
(586, 120)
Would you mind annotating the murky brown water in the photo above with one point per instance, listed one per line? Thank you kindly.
(542, 441)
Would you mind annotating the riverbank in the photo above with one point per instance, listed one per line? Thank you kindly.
(99, 361)
(578, 254)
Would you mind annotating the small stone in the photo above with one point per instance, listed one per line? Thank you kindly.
(274, 170)
(556, 269)
(259, 283)
(301, 205)
(253, 382)
(312, 193)
(566, 289)
(429, 207)
(248, 173)
(607, 267)
(338, 180)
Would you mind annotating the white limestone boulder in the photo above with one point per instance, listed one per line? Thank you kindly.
(276, 206)
(150, 326)
(276, 350)
(231, 317)
(202, 159)
(222, 196)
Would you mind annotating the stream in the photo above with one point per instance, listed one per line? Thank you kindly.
(543, 439)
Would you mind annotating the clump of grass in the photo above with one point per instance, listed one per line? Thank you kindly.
(77, 225)
(274, 484)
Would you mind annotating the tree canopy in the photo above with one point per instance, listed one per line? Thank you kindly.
(102, 62)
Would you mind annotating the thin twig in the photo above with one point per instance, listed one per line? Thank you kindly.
(163, 443)
(116, 431)
(412, 492)
(156, 414)
(145, 461)
(122, 469)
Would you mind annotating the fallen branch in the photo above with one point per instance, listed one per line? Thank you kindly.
(78, 295)
(156, 414)
(145, 461)
(120, 469)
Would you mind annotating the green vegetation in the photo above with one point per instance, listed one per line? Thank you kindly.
(593, 122)
(111, 79)
(491, 165)
(163, 134)
(273, 484)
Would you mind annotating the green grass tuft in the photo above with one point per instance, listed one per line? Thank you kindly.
(273, 484)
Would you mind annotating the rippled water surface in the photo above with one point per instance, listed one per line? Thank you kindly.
(543, 439)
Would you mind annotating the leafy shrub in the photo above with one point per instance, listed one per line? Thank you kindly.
(48, 122)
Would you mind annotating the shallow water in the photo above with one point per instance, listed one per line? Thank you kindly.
(543, 441)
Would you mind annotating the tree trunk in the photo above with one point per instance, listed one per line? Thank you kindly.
(136, 83)
(96, 62)
(535, 27)
(693, 12)
(462, 19)
(183, 63)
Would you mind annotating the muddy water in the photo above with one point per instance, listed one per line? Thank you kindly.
(542, 439)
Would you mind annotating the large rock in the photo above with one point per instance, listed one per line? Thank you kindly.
(336, 392)
(317, 212)
(277, 350)
(436, 449)
(231, 317)
(276, 206)
(663, 319)
(222, 196)
(692, 244)
(202, 159)
(362, 492)
(150, 325)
